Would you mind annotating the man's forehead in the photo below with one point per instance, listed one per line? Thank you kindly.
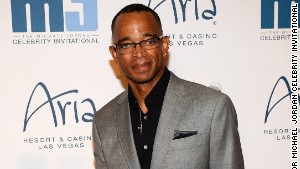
(132, 16)
(135, 25)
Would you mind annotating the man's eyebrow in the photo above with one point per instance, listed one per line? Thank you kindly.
(123, 39)
(149, 34)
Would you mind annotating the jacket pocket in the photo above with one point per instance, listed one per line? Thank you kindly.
(190, 141)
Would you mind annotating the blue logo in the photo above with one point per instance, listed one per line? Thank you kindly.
(56, 16)
(288, 94)
(207, 14)
(268, 13)
(53, 101)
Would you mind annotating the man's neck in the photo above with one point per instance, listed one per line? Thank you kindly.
(141, 91)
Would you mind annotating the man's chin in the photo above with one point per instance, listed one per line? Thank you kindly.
(140, 80)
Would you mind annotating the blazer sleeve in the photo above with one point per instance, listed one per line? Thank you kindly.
(98, 151)
(225, 146)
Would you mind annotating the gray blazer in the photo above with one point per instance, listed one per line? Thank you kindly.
(197, 129)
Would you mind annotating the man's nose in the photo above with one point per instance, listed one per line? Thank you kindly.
(138, 51)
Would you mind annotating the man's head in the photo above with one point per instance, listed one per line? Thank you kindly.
(139, 47)
(135, 8)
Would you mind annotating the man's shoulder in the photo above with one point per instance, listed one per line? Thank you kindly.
(192, 88)
(198, 94)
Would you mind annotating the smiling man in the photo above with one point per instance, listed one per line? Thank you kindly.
(161, 121)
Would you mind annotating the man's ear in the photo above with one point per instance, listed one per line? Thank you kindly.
(113, 53)
(165, 45)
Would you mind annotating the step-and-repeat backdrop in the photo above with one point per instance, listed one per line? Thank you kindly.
(56, 71)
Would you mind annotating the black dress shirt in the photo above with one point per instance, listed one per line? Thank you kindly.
(144, 139)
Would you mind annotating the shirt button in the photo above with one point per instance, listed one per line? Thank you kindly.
(145, 117)
(145, 147)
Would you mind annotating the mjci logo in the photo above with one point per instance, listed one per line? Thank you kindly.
(56, 16)
(268, 13)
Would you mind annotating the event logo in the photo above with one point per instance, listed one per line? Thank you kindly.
(44, 22)
(207, 14)
(56, 16)
(50, 102)
(268, 13)
(288, 94)
(275, 25)
(184, 8)
(280, 133)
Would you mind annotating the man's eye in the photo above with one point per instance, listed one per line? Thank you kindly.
(125, 45)
(150, 42)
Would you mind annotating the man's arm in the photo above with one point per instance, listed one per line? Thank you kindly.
(98, 152)
(225, 146)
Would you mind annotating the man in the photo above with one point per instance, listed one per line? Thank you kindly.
(161, 121)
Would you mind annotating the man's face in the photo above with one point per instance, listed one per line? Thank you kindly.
(139, 66)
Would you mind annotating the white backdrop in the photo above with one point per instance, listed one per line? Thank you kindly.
(73, 72)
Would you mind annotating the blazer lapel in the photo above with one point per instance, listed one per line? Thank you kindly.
(171, 114)
(124, 129)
